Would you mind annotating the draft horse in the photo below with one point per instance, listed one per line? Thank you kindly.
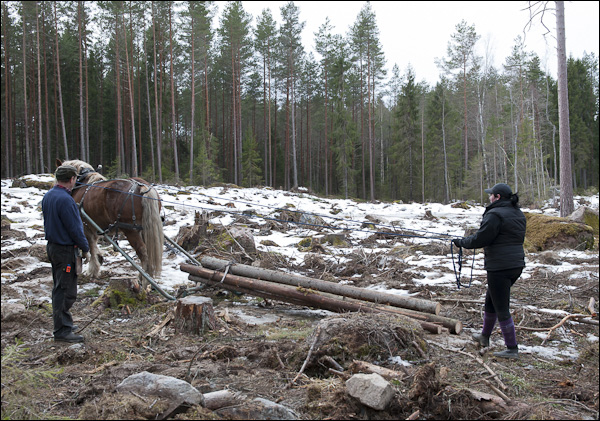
(129, 205)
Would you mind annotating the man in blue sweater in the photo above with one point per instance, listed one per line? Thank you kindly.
(64, 232)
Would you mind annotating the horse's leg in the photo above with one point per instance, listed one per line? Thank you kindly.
(135, 239)
(94, 264)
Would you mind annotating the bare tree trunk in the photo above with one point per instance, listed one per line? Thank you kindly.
(566, 177)
(446, 180)
(326, 139)
(26, 128)
(134, 170)
(149, 113)
(271, 178)
(82, 153)
(41, 142)
(46, 100)
(233, 120)
(294, 158)
(120, 143)
(156, 108)
(371, 146)
(173, 120)
(8, 128)
(62, 114)
(193, 106)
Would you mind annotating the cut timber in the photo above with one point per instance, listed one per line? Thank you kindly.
(306, 297)
(412, 303)
(195, 314)
(359, 366)
(431, 327)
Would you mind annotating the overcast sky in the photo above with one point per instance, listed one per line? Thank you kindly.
(418, 32)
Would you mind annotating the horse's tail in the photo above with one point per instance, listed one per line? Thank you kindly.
(152, 232)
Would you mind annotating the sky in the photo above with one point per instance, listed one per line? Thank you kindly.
(418, 32)
(22, 207)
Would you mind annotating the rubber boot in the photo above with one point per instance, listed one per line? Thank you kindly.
(481, 339)
(508, 353)
(510, 340)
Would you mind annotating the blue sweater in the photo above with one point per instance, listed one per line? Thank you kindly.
(62, 222)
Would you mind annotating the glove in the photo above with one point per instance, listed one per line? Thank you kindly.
(86, 257)
(457, 242)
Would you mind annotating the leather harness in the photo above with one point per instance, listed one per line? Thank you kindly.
(130, 194)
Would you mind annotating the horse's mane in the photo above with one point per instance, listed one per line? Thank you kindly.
(82, 165)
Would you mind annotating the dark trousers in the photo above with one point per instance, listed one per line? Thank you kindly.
(64, 291)
(497, 297)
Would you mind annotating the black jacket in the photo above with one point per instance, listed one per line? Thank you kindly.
(501, 235)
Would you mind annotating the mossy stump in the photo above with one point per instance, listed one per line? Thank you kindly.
(195, 315)
(122, 292)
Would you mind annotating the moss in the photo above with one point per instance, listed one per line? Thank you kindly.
(305, 243)
(589, 218)
(119, 299)
(546, 232)
(224, 241)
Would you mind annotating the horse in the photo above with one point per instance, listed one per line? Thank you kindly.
(119, 205)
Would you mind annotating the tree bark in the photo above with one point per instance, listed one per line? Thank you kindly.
(62, 114)
(173, 119)
(195, 315)
(566, 178)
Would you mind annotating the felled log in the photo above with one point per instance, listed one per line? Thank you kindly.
(305, 297)
(359, 366)
(412, 303)
(195, 314)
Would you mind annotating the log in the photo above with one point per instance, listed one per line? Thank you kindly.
(431, 327)
(305, 297)
(195, 314)
(412, 303)
(359, 366)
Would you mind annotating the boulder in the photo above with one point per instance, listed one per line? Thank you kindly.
(257, 409)
(371, 390)
(163, 387)
(586, 216)
(551, 233)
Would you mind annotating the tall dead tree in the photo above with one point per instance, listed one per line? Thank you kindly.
(564, 133)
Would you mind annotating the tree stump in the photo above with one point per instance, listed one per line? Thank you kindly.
(122, 292)
(195, 314)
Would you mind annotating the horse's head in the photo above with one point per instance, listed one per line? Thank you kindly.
(86, 171)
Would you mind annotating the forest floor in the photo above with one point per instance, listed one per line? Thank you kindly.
(260, 346)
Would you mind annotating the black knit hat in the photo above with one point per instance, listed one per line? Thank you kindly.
(502, 189)
(65, 172)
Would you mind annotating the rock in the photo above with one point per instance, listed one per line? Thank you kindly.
(313, 222)
(12, 311)
(258, 409)
(167, 387)
(550, 233)
(371, 390)
(586, 216)
(336, 240)
(244, 237)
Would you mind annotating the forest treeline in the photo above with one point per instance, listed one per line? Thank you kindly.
(159, 90)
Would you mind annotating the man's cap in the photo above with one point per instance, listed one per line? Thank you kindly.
(65, 172)
(502, 189)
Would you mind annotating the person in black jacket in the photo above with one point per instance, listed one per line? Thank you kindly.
(501, 234)
(64, 232)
